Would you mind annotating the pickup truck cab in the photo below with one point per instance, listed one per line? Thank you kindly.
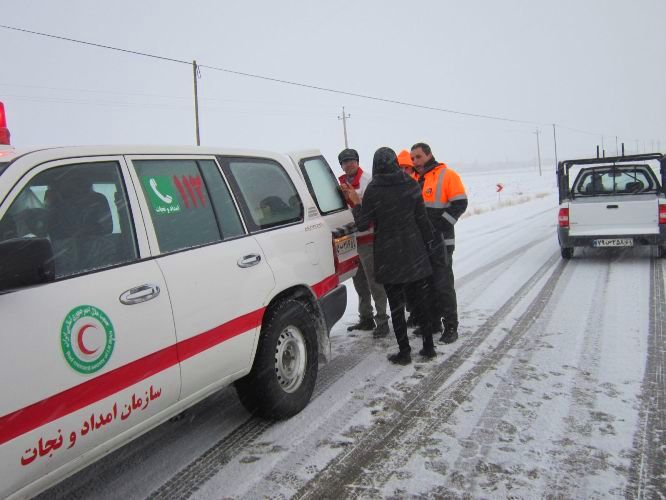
(612, 202)
(137, 280)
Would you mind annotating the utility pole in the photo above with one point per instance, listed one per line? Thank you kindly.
(637, 150)
(603, 149)
(197, 74)
(344, 125)
(538, 149)
(617, 150)
(555, 142)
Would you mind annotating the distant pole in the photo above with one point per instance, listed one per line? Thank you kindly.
(555, 142)
(344, 125)
(538, 149)
(195, 71)
(637, 150)
(617, 150)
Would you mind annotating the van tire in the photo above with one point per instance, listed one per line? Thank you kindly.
(285, 366)
(567, 252)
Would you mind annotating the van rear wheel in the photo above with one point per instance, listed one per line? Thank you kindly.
(567, 252)
(285, 366)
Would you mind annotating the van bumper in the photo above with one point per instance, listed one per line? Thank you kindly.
(334, 304)
(567, 241)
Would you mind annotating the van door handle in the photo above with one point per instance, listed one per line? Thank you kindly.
(611, 206)
(249, 260)
(139, 294)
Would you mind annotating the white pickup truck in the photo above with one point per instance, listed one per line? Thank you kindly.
(612, 202)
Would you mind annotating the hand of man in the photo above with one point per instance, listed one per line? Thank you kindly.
(350, 194)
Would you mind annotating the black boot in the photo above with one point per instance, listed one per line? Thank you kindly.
(428, 352)
(402, 357)
(381, 331)
(450, 334)
(363, 324)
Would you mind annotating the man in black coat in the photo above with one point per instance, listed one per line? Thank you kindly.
(393, 204)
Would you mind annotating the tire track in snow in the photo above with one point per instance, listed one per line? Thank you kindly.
(371, 461)
(647, 475)
(472, 463)
(575, 458)
(292, 468)
(498, 262)
(194, 475)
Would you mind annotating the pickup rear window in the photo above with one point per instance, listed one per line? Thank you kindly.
(627, 179)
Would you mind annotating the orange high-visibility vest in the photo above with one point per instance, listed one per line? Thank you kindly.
(441, 186)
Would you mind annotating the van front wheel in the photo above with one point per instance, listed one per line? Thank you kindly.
(285, 366)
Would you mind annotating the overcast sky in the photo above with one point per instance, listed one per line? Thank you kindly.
(591, 66)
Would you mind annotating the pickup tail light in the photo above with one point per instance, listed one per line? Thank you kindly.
(4, 131)
(662, 214)
(563, 217)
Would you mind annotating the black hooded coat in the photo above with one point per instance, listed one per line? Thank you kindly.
(393, 205)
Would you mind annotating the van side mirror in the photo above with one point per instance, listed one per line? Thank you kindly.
(25, 262)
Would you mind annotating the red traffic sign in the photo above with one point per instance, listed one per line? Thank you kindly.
(500, 186)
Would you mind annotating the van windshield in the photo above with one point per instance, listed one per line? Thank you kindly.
(3, 167)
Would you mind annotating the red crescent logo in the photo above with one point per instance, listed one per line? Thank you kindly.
(79, 340)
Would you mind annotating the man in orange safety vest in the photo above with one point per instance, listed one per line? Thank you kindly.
(445, 201)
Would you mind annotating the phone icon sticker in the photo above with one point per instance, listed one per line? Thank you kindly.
(165, 198)
(161, 194)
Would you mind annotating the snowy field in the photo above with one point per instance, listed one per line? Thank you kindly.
(554, 390)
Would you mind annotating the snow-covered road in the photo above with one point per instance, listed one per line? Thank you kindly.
(554, 389)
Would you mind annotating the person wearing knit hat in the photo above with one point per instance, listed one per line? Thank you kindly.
(405, 162)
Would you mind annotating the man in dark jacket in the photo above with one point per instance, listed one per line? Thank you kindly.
(445, 200)
(393, 205)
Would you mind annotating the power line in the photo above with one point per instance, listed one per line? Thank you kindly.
(278, 80)
(145, 54)
(369, 97)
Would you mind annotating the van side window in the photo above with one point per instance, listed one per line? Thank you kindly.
(323, 185)
(223, 203)
(178, 201)
(269, 195)
(82, 209)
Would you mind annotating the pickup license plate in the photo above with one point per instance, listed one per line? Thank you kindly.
(345, 245)
(614, 242)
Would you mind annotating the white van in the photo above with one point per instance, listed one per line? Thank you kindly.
(136, 281)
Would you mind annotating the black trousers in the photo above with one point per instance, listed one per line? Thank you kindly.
(449, 301)
(419, 294)
(442, 286)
